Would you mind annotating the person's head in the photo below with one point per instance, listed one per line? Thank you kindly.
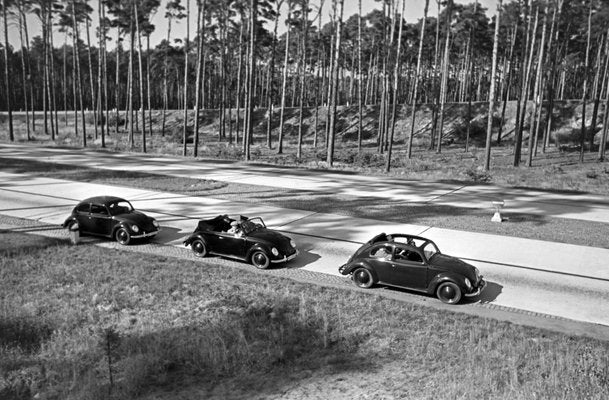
(234, 224)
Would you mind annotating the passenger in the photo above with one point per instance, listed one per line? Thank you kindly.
(235, 229)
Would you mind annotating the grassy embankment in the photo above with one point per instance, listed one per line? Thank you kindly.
(86, 322)
(558, 168)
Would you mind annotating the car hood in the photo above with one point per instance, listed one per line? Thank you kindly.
(272, 237)
(449, 263)
(136, 217)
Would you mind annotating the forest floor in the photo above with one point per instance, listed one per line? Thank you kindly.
(556, 168)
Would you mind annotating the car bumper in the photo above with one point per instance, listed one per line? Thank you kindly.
(285, 258)
(477, 290)
(144, 235)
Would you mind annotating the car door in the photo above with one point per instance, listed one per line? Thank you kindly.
(380, 259)
(82, 216)
(100, 219)
(408, 268)
(230, 244)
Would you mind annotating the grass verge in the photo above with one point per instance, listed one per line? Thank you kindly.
(87, 322)
(530, 226)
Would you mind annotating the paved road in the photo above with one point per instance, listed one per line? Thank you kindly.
(552, 204)
(564, 281)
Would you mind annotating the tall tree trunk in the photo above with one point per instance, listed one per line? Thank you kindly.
(200, 56)
(249, 133)
(552, 77)
(93, 97)
(65, 78)
(334, 79)
(24, 78)
(444, 84)
(359, 79)
(491, 94)
(148, 95)
(7, 79)
(538, 92)
(165, 94)
(185, 130)
(130, 87)
(239, 82)
(585, 89)
(100, 73)
(117, 87)
(396, 77)
(303, 72)
(413, 113)
(506, 97)
(284, 82)
(269, 89)
(141, 74)
(468, 82)
(54, 116)
(524, 91)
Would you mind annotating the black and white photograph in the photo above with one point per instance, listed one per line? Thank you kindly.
(304, 199)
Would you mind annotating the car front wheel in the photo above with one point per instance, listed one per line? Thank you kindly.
(122, 236)
(198, 248)
(260, 260)
(449, 293)
(362, 278)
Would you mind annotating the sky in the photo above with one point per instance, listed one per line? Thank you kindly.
(413, 12)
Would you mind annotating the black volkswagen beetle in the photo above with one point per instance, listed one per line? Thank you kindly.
(246, 239)
(111, 217)
(413, 262)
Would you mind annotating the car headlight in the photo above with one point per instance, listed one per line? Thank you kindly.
(275, 251)
(292, 243)
(155, 223)
(468, 283)
(135, 228)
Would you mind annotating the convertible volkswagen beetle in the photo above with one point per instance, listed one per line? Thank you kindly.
(111, 217)
(246, 239)
(413, 262)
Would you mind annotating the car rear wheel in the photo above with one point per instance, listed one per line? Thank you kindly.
(449, 293)
(260, 260)
(122, 236)
(362, 278)
(198, 248)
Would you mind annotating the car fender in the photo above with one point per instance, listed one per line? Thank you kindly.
(69, 221)
(350, 268)
(259, 247)
(119, 226)
(446, 277)
(193, 237)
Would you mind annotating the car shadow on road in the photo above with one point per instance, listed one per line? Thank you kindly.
(489, 294)
(167, 235)
(304, 258)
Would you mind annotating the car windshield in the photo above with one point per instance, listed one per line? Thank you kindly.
(430, 250)
(249, 226)
(120, 207)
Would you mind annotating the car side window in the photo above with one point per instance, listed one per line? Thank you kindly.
(83, 208)
(98, 209)
(381, 252)
(408, 255)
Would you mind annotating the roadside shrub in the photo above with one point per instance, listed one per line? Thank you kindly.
(478, 175)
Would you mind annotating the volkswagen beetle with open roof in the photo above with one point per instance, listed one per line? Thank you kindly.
(246, 239)
(414, 263)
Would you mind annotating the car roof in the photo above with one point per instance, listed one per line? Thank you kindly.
(102, 199)
(384, 238)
